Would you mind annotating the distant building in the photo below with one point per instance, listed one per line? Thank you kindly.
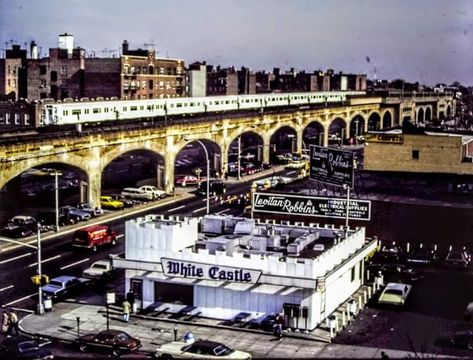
(197, 79)
(426, 152)
(221, 81)
(241, 265)
(13, 73)
(246, 81)
(21, 114)
(146, 77)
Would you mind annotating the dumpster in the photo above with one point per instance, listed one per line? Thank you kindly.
(48, 303)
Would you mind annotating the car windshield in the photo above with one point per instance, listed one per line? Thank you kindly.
(454, 257)
(123, 337)
(27, 346)
(222, 350)
(393, 292)
(55, 283)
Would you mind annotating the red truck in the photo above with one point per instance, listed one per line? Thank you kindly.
(93, 236)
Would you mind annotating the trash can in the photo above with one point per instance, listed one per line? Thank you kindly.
(48, 303)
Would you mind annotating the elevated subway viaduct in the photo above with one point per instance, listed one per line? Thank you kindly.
(92, 152)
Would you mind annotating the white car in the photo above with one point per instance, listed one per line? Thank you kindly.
(156, 193)
(200, 349)
(395, 294)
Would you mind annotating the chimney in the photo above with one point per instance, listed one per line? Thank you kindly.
(33, 50)
(125, 47)
(66, 41)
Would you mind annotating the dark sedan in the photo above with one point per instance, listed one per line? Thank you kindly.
(393, 272)
(115, 341)
(463, 339)
(22, 347)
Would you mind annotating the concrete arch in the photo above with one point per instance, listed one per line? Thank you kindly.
(318, 124)
(420, 115)
(357, 124)
(275, 129)
(374, 121)
(387, 116)
(117, 151)
(448, 112)
(179, 146)
(428, 113)
(18, 168)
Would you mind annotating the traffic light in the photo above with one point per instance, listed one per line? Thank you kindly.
(40, 279)
(36, 279)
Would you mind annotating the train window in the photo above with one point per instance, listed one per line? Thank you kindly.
(64, 112)
(96, 110)
(86, 111)
(227, 102)
(75, 112)
(106, 110)
(178, 105)
(125, 108)
(142, 107)
(171, 105)
(217, 103)
(191, 104)
(133, 108)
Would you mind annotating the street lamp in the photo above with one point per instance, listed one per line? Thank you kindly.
(56, 174)
(347, 188)
(356, 131)
(208, 170)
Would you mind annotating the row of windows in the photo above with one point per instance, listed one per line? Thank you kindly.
(151, 70)
(7, 119)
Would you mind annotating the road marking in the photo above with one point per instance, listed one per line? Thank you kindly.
(45, 260)
(204, 208)
(21, 299)
(223, 211)
(6, 288)
(120, 236)
(74, 264)
(15, 258)
(291, 172)
(177, 208)
(7, 248)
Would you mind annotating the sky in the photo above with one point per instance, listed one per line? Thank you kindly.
(429, 41)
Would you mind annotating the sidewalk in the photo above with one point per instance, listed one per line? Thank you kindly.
(61, 323)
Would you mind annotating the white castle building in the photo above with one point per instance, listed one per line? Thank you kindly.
(238, 265)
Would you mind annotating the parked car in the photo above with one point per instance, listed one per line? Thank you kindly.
(395, 294)
(157, 193)
(115, 341)
(48, 218)
(390, 254)
(200, 349)
(266, 323)
(137, 194)
(94, 212)
(463, 339)
(422, 256)
(393, 272)
(216, 187)
(20, 226)
(469, 312)
(189, 180)
(126, 201)
(107, 202)
(74, 214)
(99, 270)
(63, 285)
(457, 259)
(23, 347)
(94, 236)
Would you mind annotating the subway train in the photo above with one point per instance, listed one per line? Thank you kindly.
(89, 112)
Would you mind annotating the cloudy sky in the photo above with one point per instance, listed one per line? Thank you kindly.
(429, 41)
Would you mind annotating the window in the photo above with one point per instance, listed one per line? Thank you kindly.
(76, 112)
(42, 70)
(17, 119)
(27, 119)
(353, 273)
(150, 84)
(53, 75)
(415, 154)
(7, 118)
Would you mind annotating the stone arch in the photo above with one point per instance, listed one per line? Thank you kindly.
(387, 119)
(214, 150)
(337, 130)
(428, 113)
(420, 115)
(357, 125)
(374, 121)
(112, 155)
(286, 142)
(448, 112)
(311, 137)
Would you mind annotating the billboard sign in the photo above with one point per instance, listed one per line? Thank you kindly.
(310, 206)
(331, 166)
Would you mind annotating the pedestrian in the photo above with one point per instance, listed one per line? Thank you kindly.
(13, 323)
(5, 323)
(130, 296)
(279, 323)
(384, 355)
(126, 310)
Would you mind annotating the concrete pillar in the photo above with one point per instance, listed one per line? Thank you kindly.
(169, 160)
(224, 158)
(266, 148)
(299, 140)
(325, 142)
(94, 188)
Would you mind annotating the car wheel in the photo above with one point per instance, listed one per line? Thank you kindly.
(165, 357)
(470, 345)
(83, 347)
(116, 352)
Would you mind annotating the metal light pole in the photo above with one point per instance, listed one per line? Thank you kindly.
(356, 131)
(56, 200)
(40, 290)
(239, 154)
(208, 171)
(347, 188)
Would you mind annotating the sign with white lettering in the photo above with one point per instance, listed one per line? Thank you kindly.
(194, 270)
(384, 138)
(311, 206)
(331, 166)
